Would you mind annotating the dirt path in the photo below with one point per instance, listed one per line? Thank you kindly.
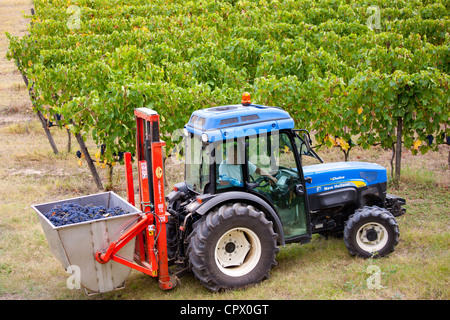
(15, 105)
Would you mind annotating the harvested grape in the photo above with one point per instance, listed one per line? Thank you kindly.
(69, 213)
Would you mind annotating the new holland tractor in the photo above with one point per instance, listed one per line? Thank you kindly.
(247, 191)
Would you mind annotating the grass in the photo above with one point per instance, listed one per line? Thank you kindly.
(322, 269)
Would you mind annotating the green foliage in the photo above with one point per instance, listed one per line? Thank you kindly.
(339, 77)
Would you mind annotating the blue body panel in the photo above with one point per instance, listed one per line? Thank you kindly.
(235, 121)
(335, 175)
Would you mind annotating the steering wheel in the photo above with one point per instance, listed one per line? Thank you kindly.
(265, 181)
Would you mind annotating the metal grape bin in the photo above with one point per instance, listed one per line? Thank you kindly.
(76, 244)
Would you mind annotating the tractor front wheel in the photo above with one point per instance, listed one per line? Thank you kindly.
(233, 246)
(371, 232)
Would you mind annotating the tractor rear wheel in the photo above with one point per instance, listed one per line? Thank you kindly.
(233, 246)
(371, 232)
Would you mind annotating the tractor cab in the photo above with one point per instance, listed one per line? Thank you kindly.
(251, 149)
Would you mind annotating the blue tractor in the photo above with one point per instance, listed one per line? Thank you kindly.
(249, 188)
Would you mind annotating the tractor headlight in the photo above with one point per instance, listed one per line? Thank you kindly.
(205, 137)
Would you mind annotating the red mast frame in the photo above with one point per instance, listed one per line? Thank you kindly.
(150, 230)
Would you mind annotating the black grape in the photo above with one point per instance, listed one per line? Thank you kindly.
(430, 139)
(69, 213)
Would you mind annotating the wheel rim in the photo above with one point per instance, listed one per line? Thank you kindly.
(237, 252)
(372, 237)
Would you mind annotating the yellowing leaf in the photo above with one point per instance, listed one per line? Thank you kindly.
(80, 163)
(360, 110)
(341, 143)
(333, 141)
(417, 144)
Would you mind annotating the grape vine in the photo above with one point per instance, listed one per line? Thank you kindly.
(352, 72)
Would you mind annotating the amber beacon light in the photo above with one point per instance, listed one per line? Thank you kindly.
(246, 100)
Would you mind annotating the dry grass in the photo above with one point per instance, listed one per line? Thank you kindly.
(323, 269)
(30, 173)
(12, 93)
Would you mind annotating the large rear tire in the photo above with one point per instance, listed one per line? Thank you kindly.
(233, 246)
(371, 232)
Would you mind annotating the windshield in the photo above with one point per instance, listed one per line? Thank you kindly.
(197, 167)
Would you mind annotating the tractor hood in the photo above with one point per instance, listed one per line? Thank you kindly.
(335, 175)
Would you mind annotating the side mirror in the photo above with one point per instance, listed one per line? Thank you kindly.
(299, 190)
(308, 179)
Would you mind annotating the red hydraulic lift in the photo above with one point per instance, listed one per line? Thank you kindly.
(150, 230)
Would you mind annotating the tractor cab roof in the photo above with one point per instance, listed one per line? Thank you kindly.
(235, 121)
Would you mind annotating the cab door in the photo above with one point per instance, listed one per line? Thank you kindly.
(275, 158)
